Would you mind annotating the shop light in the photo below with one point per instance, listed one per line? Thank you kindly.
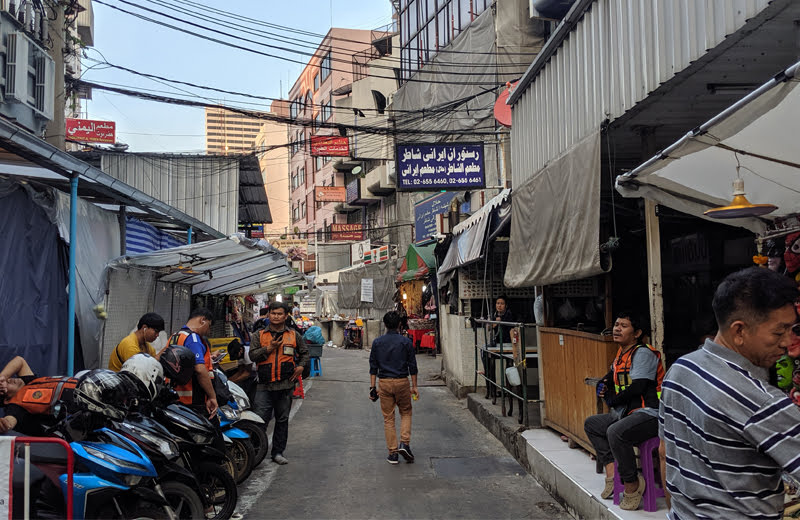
(740, 207)
(405, 296)
(278, 297)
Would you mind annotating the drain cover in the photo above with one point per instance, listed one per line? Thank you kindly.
(469, 467)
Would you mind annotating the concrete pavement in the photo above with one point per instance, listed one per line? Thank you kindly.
(338, 465)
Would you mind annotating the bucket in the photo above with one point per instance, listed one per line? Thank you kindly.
(512, 376)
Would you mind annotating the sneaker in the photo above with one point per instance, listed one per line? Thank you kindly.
(405, 450)
(280, 459)
(392, 458)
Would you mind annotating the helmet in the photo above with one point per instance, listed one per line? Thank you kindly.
(148, 370)
(106, 392)
(178, 363)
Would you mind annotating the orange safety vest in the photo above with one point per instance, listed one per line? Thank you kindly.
(622, 369)
(186, 393)
(280, 364)
(40, 395)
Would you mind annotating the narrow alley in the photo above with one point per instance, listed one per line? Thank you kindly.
(338, 463)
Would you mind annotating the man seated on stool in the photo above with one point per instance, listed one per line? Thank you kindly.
(636, 376)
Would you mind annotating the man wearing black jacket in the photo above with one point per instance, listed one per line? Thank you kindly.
(631, 391)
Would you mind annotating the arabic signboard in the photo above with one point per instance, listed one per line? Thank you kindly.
(329, 193)
(91, 131)
(328, 145)
(357, 252)
(293, 248)
(347, 232)
(426, 212)
(440, 166)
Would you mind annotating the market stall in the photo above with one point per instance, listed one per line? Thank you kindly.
(416, 293)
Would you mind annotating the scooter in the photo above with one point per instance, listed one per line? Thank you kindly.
(250, 422)
(241, 450)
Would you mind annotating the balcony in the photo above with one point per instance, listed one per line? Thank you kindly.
(358, 195)
(378, 181)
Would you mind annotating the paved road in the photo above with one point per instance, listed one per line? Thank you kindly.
(338, 465)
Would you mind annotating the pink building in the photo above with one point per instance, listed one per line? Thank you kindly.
(311, 104)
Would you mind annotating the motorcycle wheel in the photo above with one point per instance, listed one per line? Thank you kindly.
(242, 454)
(258, 438)
(184, 501)
(218, 489)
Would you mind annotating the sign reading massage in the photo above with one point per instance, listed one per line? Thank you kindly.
(440, 166)
(90, 131)
(347, 232)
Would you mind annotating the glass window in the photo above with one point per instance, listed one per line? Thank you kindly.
(325, 67)
(432, 8)
(316, 82)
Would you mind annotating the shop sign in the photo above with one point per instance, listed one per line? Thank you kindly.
(428, 167)
(291, 290)
(357, 252)
(347, 232)
(91, 131)
(293, 248)
(426, 212)
(378, 254)
(308, 305)
(257, 231)
(331, 146)
(330, 193)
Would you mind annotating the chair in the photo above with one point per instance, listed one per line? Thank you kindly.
(653, 489)
(316, 367)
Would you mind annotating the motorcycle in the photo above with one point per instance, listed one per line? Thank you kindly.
(240, 450)
(250, 422)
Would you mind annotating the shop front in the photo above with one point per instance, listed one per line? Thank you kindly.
(416, 295)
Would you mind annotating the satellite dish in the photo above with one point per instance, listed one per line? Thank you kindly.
(502, 111)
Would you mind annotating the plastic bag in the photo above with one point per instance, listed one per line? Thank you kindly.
(314, 335)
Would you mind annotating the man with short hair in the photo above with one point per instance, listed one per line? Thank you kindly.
(137, 342)
(728, 433)
(199, 392)
(281, 356)
(392, 360)
(263, 319)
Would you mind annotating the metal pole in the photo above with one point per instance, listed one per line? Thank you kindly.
(316, 256)
(26, 514)
(73, 227)
(189, 236)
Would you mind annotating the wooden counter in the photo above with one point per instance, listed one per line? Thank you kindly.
(566, 357)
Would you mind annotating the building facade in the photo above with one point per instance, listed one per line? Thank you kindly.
(228, 132)
(271, 146)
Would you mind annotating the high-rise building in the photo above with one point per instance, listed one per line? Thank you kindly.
(230, 132)
(273, 154)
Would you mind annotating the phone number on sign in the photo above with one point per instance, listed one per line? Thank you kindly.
(444, 182)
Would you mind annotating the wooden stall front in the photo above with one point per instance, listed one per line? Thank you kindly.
(566, 358)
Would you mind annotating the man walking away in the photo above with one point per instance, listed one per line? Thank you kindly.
(728, 432)
(281, 356)
(392, 361)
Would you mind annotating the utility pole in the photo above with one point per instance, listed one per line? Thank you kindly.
(56, 128)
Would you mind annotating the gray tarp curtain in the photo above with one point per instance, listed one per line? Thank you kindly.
(349, 292)
(555, 220)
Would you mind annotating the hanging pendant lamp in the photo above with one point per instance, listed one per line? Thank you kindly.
(740, 207)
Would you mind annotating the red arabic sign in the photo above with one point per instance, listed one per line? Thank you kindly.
(90, 131)
(330, 146)
(347, 232)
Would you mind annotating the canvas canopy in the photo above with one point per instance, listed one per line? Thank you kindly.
(759, 134)
(418, 263)
(232, 265)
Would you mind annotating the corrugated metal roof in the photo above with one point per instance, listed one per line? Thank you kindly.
(610, 57)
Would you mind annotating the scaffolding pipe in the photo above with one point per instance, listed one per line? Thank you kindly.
(73, 246)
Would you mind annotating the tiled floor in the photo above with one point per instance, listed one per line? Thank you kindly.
(577, 465)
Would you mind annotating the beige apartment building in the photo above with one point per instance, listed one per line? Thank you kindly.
(229, 132)
(271, 145)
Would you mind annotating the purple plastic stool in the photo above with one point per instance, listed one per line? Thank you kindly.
(651, 491)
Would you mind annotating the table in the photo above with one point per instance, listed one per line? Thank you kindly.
(428, 341)
(417, 335)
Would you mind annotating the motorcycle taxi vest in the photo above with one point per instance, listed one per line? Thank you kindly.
(187, 393)
(40, 395)
(280, 364)
(622, 369)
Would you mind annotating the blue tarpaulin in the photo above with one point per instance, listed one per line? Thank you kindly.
(33, 286)
(141, 237)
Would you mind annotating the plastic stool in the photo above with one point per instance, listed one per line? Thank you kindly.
(316, 367)
(651, 491)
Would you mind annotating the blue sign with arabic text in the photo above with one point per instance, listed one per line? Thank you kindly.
(454, 166)
(425, 213)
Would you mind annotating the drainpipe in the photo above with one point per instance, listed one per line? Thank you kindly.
(189, 236)
(73, 228)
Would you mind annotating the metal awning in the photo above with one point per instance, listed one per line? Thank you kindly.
(758, 134)
(232, 265)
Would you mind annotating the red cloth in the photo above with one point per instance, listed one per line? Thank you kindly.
(428, 341)
(417, 334)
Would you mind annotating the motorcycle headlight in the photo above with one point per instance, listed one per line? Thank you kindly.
(131, 480)
(229, 413)
(201, 438)
(114, 460)
(242, 402)
(167, 448)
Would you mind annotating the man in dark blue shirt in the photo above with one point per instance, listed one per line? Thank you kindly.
(392, 360)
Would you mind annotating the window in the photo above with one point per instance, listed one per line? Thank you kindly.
(303, 210)
(295, 213)
(316, 82)
(309, 102)
(301, 177)
(325, 67)
(315, 125)
(327, 111)
(319, 162)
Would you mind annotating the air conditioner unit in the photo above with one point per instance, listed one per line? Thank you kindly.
(17, 67)
(44, 92)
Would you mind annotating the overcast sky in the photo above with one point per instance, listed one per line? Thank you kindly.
(145, 47)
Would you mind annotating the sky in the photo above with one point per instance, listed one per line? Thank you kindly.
(148, 126)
